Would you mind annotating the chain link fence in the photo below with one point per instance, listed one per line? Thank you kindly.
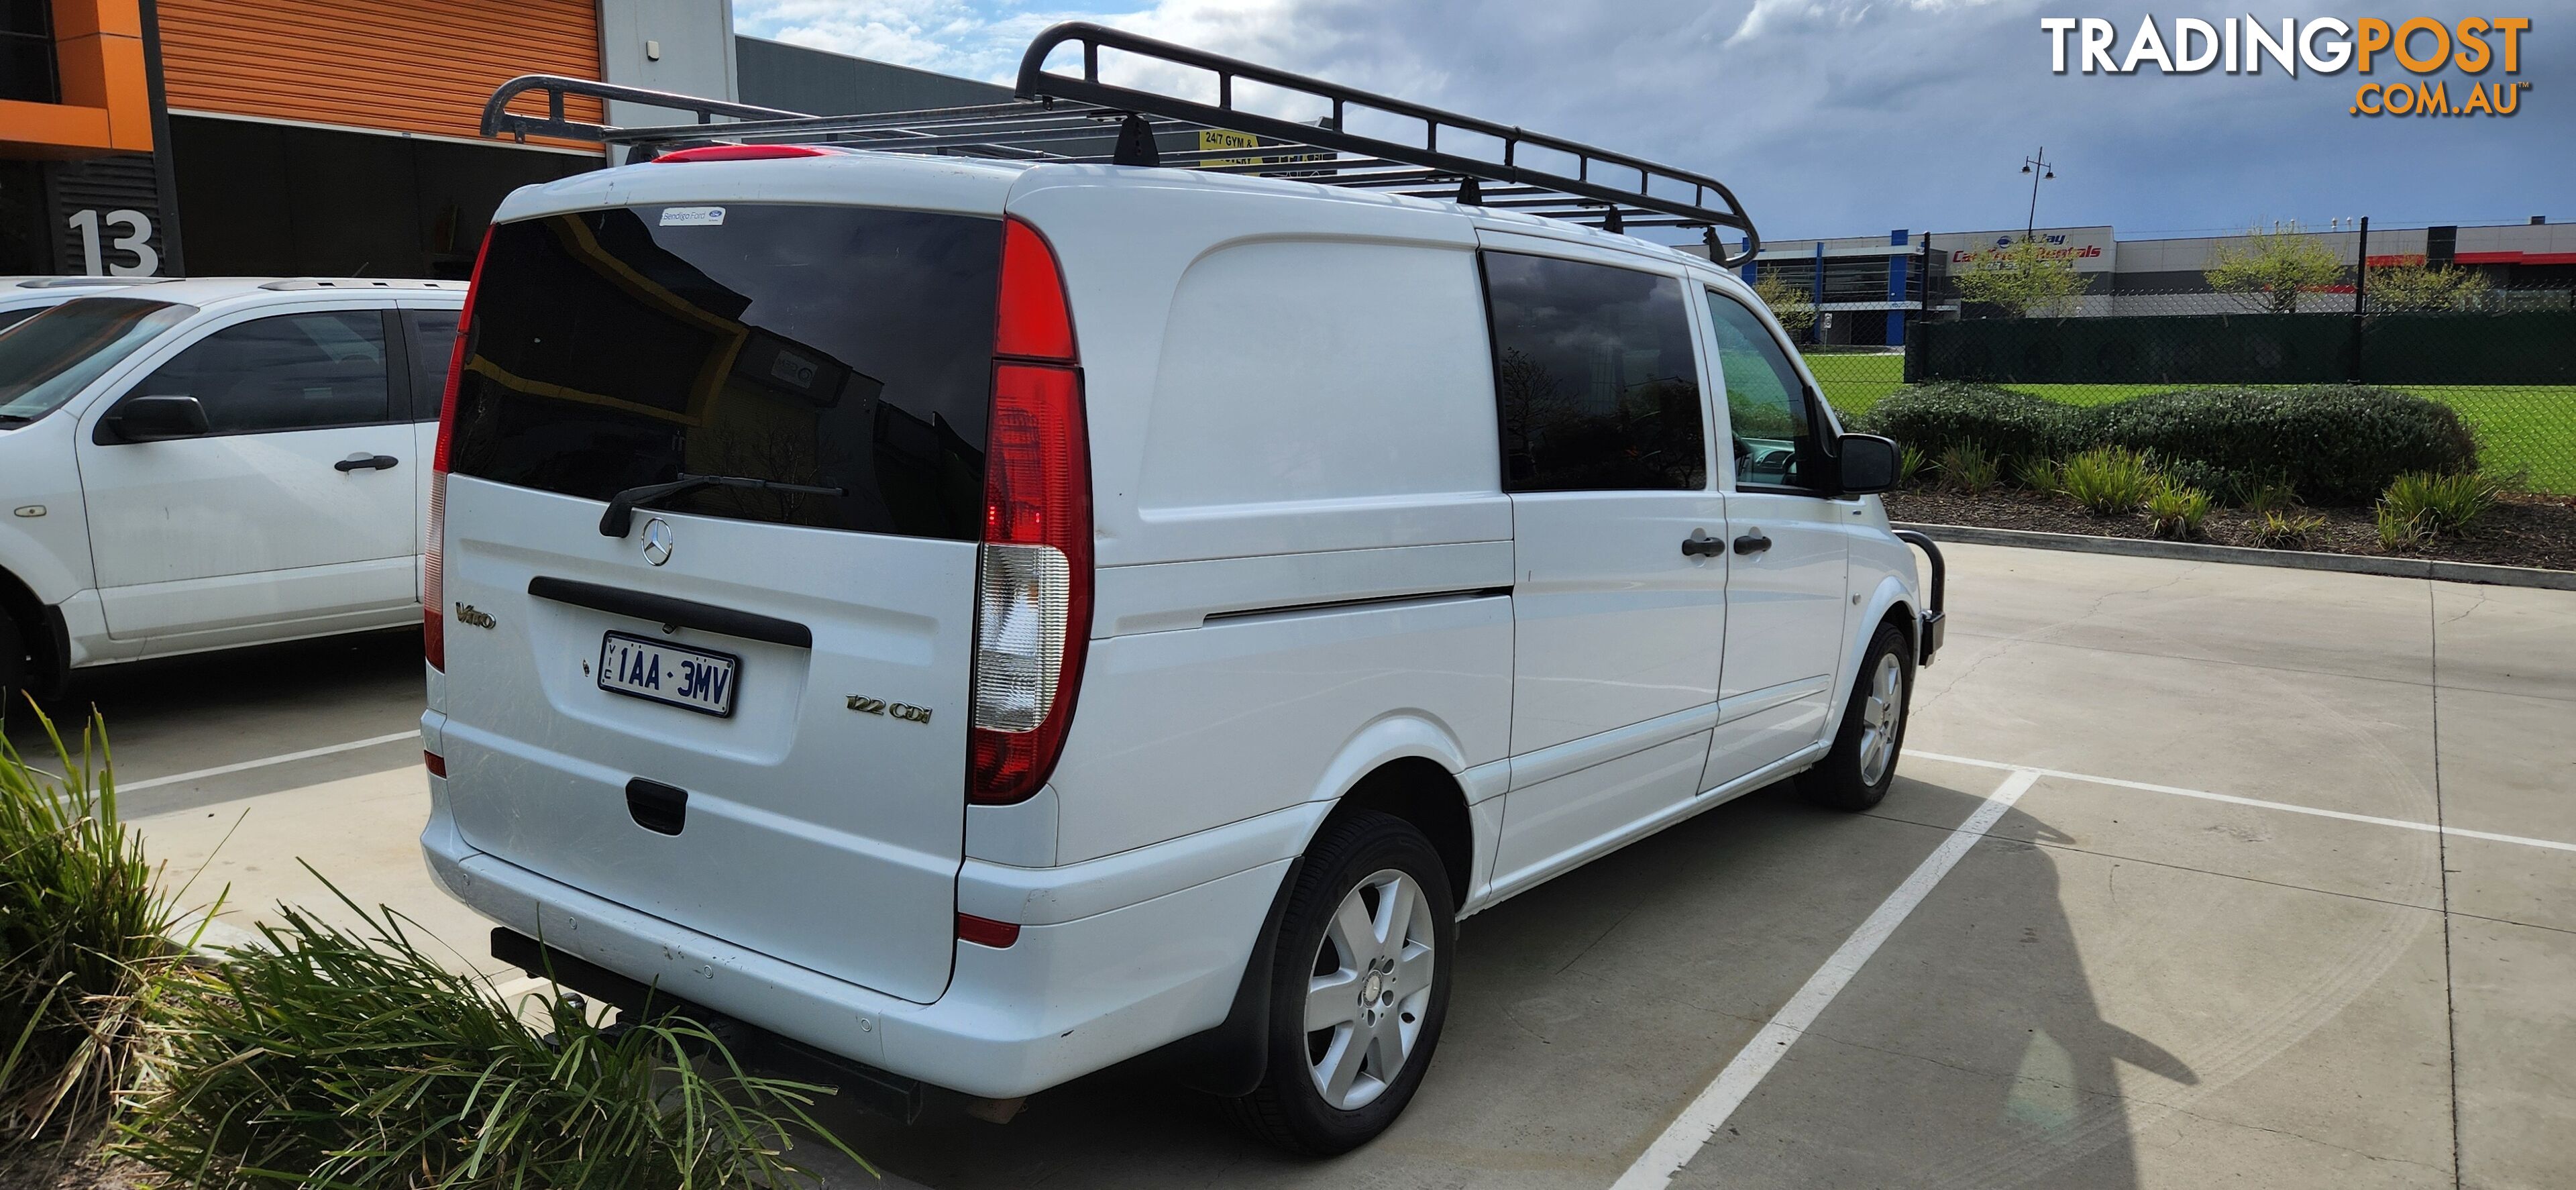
(2505, 359)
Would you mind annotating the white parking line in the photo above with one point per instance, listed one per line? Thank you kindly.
(265, 761)
(1683, 1138)
(2259, 803)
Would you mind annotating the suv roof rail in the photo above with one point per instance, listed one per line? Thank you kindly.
(292, 283)
(1082, 119)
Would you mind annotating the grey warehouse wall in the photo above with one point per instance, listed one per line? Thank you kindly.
(817, 82)
(693, 39)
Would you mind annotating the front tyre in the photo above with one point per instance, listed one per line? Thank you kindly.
(1359, 990)
(1856, 774)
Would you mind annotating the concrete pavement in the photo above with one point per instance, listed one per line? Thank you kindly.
(2117, 985)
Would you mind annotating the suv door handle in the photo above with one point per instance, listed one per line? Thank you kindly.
(376, 462)
(1700, 545)
(1752, 543)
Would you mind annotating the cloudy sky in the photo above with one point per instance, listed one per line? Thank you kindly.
(1847, 117)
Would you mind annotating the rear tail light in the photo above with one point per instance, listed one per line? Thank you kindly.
(1033, 590)
(433, 554)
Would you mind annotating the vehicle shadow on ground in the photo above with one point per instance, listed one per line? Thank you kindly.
(1587, 1012)
(297, 674)
(1970, 1052)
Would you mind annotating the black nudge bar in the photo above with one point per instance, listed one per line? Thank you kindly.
(1935, 622)
(1348, 137)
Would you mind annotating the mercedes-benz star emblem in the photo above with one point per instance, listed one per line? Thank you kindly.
(657, 541)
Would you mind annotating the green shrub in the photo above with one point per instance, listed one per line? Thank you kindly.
(2286, 532)
(2398, 532)
(2178, 511)
(1967, 469)
(2222, 485)
(2037, 473)
(2272, 497)
(326, 1059)
(2109, 480)
(2335, 444)
(1936, 417)
(1909, 463)
(80, 939)
(2439, 504)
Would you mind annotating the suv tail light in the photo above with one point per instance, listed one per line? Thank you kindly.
(1033, 588)
(433, 554)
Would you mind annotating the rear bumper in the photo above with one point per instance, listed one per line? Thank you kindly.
(1071, 996)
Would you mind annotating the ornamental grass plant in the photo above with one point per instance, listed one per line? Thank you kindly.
(81, 944)
(324, 1057)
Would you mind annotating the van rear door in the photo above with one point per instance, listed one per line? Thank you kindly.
(745, 708)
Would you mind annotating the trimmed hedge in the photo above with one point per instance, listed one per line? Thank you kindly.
(2333, 444)
(1935, 417)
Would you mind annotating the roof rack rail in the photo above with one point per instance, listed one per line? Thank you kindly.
(1082, 119)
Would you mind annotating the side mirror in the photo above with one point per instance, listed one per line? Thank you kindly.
(152, 419)
(1868, 464)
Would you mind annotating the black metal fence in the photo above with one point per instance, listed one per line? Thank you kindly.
(2505, 359)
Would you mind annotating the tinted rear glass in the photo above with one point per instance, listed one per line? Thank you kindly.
(836, 347)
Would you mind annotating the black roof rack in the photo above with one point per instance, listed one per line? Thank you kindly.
(1065, 118)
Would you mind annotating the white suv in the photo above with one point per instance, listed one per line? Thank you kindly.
(192, 465)
(982, 621)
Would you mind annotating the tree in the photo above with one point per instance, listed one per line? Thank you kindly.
(2416, 288)
(2024, 278)
(1790, 302)
(2270, 269)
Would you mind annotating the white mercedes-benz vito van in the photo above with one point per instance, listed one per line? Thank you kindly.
(975, 621)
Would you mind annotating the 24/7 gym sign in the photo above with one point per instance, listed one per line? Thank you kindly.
(2421, 46)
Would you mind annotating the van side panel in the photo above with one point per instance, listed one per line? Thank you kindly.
(1297, 496)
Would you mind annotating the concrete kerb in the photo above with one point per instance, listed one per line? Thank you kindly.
(2455, 572)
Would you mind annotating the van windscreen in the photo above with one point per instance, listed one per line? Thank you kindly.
(819, 346)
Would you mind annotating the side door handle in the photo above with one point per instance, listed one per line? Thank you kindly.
(1752, 543)
(1700, 545)
(373, 462)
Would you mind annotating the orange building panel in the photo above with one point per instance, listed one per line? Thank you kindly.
(422, 66)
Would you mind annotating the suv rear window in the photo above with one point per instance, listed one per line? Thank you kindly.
(839, 347)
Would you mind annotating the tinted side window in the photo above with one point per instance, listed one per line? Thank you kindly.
(10, 318)
(433, 344)
(1766, 404)
(291, 372)
(1595, 382)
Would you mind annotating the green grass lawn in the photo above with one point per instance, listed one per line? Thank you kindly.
(2530, 428)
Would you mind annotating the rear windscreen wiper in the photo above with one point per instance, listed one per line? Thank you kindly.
(620, 516)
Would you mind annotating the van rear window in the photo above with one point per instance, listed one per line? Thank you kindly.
(834, 347)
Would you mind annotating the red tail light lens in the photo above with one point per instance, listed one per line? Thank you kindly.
(1032, 322)
(1033, 602)
(984, 931)
(433, 554)
(740, 153)
(437, 763)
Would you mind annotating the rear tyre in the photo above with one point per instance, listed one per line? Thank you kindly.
(1359, 990)
(1856, 774)
(16, 668)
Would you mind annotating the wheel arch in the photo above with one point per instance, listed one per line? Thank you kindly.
(1406, 766)
(41, 629)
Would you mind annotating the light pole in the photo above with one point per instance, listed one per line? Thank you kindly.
(2039, 171)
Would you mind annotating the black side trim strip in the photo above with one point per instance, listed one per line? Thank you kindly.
(663, 609)
(1340, 604)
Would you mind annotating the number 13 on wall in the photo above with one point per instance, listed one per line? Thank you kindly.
(138, 228)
